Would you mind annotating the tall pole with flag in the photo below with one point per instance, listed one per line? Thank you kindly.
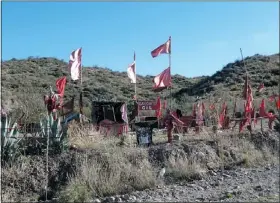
(135, 86)
(163, 80)
(131, 73)
(169, 56)
(75, 68)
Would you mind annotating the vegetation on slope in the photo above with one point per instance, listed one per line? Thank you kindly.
(29, 79)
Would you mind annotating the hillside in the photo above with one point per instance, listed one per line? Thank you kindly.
(229, 81)
(24, 82)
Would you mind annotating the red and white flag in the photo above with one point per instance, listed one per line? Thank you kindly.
(163, 80)
(162, 49)
(60, 86)
(124, 113)
(131, 71)
(75, 64)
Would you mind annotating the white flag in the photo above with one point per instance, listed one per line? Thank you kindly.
(131, 73)
(75, 63)
(124, 113)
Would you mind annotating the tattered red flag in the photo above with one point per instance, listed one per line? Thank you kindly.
(163, 80)
(262, 109)
(162, 49)
(222, 115)
(158, 108)
(60, 86)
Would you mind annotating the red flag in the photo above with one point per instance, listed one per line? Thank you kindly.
(158, 108)
(262, 109)
(261, 87)
(162, 49)
(278, 103)
(163, 80)
(222, 115)
(75, 64)
(60, 86)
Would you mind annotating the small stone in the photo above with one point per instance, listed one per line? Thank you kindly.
(125, 197)
(212, 173)
(211, 165)
(227, 176)
(177, 137)
(258, 188)
(132, 198)
(200, 188)
(110, 199)
(96, 200)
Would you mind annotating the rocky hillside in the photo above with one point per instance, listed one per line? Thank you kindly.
(24, 82)
(229, 81)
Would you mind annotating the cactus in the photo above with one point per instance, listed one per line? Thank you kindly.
(57, 134)
(9, 141)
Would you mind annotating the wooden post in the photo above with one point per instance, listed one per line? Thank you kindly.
(114, 114)
(261, 124)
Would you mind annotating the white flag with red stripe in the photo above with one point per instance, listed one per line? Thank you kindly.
(75, 64)
(131, 71)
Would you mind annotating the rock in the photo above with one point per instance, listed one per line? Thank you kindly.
(211, 165)
(125, 197)
(177, 137)
(226, 175)
(109, 199)
(258, 188)
(118, 199)
(212, 173)
(96, 200)
(132, 198)
(200, 188)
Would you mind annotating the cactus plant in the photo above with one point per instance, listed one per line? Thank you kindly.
(57, 134)
(9, 141)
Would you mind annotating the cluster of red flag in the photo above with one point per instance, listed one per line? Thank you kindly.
(248, 96)
(162, 80)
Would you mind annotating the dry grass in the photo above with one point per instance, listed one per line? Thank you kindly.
(107, 169)
(181, 169)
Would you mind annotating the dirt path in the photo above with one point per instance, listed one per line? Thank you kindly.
(239, 185)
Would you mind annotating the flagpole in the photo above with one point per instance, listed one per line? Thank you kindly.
(81, 94)
(169, 56)
(135, 86)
